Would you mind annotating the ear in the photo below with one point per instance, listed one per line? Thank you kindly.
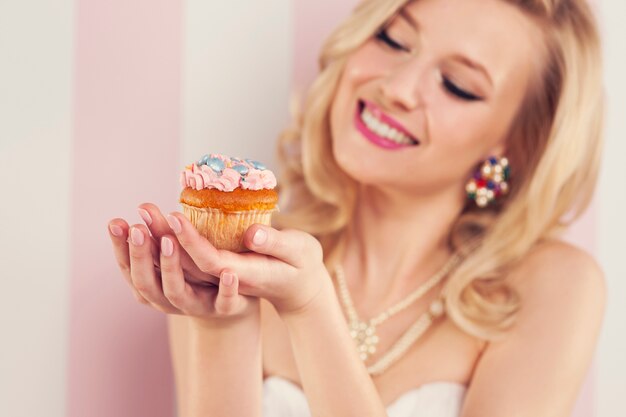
(498, 150)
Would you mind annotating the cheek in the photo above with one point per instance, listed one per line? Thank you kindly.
(462, 135)
(461, 127)
(363, 66)
(366, 62)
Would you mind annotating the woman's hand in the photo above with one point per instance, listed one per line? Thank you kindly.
(285, 267)
(158, 226)
(155, 273)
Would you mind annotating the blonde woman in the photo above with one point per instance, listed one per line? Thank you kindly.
(442, 149)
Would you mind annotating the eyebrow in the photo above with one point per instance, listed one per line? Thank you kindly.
(474, 65)
(403, 13)
(461, 58)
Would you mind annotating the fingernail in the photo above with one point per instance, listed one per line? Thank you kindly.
(174, 223)
(136, 236)
(259, 238)
(116, 230)
(228, 278)
(145, 216)
(167, 247)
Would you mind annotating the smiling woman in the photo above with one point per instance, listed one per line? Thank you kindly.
(423, 190)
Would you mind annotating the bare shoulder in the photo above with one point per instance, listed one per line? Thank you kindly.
(562, 291)
(561, 272)
(562, 296)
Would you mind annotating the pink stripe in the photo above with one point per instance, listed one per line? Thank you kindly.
(314, 20)
(127, 124)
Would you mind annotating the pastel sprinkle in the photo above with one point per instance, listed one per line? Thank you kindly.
(203, 160)
(256, 164)
(215, 164)
(241, 169)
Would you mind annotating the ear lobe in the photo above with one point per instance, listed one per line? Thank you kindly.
(499, 150)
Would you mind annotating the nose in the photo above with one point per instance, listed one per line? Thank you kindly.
(400, 88)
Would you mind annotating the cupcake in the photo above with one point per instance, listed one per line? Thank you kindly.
(223, 196)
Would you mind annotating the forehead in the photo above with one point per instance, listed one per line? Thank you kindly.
(493, 33)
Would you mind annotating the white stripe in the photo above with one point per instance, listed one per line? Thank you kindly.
(237, 67)
(611, 351)
(36, 47)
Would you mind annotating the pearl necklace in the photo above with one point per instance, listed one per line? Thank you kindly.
(364, 333)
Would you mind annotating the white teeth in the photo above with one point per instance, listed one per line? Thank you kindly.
(383, 129)
(394, 134)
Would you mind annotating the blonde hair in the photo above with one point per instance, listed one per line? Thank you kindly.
(554, 151)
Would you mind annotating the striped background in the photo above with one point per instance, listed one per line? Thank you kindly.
(101, 103)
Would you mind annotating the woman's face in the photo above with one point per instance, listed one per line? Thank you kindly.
(425, 100)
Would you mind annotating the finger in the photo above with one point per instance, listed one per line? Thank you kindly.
(228, 300)
(291, 246)
(159, 227)
(208, 259)
(147, 218)
(255, 272)
(118, 232)
(143, 274)
(179, 293)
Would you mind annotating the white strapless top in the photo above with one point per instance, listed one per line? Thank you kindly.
(282, 398)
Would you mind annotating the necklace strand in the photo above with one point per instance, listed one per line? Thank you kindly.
(364, 333)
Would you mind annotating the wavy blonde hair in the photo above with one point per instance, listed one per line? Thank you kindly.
(554, 149)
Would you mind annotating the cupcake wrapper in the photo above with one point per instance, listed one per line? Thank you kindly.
(225, 229)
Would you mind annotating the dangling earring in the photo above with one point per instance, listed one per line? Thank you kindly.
(489, 182)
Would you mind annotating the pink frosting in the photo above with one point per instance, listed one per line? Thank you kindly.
(220, 156)
(202, 176)
(228, 181)
(198, 177)
(257, 180)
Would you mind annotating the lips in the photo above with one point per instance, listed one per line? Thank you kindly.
(381, 129)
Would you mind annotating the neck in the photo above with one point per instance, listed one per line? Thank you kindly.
(397, 240)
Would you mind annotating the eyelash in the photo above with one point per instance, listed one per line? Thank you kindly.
(384, 37)
(458, 92)
(448, 85)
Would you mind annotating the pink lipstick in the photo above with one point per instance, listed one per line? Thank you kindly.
(375, 138)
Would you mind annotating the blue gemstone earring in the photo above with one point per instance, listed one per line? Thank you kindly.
(489, 181)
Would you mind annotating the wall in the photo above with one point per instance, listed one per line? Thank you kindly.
(101, 104)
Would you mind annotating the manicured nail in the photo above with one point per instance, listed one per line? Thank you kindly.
(116, 230)
(167, 247)
(174, 223)
(145, 216)
(228, 278)
(136, 236)
(259, 238)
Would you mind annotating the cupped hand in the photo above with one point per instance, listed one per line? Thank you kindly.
(285, 267)
(156, 275)
(158, 226)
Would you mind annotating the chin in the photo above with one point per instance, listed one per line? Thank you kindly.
(357, 169)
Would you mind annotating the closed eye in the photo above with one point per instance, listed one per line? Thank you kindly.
(458, 92)
(384, 37)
